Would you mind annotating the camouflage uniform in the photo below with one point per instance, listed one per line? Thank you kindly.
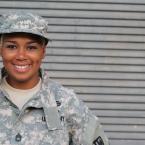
(54, 116)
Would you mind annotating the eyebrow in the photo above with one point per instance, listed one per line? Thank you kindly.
(9, 41)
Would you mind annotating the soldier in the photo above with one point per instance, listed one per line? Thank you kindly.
(35, 110)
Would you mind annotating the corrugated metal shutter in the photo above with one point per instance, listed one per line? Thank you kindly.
(98, 48)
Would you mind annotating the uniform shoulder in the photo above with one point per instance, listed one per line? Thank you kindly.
(59, 90)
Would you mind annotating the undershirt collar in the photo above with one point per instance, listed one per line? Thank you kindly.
(18, 96)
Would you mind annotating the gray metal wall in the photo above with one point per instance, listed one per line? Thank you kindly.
(98, 48)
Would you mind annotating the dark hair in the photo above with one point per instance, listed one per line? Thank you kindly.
(3, 72)
(39, 38)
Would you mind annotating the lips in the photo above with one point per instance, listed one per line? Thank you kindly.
(22, 68)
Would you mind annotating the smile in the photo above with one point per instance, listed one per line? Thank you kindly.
(22, 68)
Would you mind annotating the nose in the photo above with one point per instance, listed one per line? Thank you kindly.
(21, 54)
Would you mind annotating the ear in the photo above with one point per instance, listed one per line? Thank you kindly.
(44, 51)
(1, 48)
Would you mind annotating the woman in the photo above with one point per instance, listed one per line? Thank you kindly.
(33, 109)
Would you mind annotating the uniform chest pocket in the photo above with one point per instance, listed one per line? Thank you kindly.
(46, 127)
(47, 117)
(57, 133)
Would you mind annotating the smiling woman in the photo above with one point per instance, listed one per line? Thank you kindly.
(35, 110)
(22, 55)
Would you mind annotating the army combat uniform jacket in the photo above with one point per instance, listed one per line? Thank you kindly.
(54, 116)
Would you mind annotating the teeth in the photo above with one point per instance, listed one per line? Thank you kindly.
(21, 67)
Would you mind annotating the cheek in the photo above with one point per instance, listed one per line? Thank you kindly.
(36, 59)
(6, 55)
(37, 56)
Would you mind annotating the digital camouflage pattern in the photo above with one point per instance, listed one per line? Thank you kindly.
(23, 22)
(54, 116)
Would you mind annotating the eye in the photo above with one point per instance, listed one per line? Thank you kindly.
(32, 48)
(10, 46)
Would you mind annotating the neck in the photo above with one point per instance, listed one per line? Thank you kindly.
(24, 85)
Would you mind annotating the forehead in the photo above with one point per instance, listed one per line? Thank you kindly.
(32, 37)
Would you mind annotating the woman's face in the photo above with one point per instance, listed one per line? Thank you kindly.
(22, 55)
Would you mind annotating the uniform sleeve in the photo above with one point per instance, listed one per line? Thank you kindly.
(84, 127)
